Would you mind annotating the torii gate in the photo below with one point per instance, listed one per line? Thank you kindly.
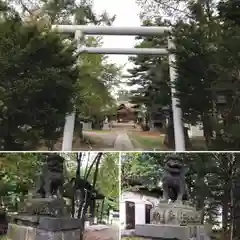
(80, 30)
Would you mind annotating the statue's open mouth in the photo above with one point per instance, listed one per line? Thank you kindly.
(175, 165)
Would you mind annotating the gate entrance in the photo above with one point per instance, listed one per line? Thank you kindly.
(79, 30)
(148, 208)
(130, 215)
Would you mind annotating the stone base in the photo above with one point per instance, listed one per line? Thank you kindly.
(166, 231)
(45, 206)
(47, 223)
(43, 228)
(18, 232)
(175, 213)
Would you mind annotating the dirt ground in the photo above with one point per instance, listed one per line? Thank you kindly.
(104, 233)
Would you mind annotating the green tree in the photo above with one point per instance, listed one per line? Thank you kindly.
(38, 78)
(108, 179)
(61, 12)
(41, 80)
(18, 173)
(151, 77)
(96, 80)
(207, 66)
(195, 59)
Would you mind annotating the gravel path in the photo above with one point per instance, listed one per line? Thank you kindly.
(116, 139)
(123, 142)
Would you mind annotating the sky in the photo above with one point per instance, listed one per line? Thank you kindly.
(126, 12)
(71, 164)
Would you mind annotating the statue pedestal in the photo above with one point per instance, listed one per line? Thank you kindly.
(173, 221)
(170, 232)
(44, 218)
(46, 206)
(175, 214)
(42, 228)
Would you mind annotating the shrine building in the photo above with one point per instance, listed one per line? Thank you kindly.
(127, 112)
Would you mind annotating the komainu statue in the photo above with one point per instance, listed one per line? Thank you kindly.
(52, 177)
(173, 181)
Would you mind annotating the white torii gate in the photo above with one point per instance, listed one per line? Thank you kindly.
(79, 30)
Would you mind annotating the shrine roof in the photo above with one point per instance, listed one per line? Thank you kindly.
(127, 104)
(123, 110)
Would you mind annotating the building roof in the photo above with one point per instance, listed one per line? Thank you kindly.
(139, 187)
(124, 110)
(127, 104)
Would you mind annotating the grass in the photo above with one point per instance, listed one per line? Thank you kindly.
(198, 143)
(77, 145)
(141, 140)
(97, 142)
(4, 238)
(98, 131)
(154, 141)
(94, 142)
(147, 140)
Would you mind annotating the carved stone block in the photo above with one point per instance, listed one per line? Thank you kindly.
(45, 206)
(175, 213)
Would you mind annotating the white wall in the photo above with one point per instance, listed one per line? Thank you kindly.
(140, 202)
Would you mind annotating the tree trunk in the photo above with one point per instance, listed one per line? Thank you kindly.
(83, 218)
(236, 212)
(236, 196)
(232, 172)
(200, 207)
(50, 145)
(225, 211)
(207, 130)
(92, 211)
(77, 178)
